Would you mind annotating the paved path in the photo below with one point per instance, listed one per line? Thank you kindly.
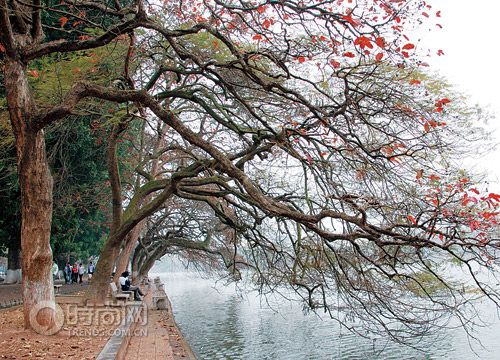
(151, 341)
(159, 339)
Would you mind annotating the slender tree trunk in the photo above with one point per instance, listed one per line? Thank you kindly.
(145, 267)
(137, 259)
(150, 260)
(111, 248)
(36, 195)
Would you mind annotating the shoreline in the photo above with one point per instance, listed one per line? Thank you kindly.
(185, 344)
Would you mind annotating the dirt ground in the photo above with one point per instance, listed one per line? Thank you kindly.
(72, 342)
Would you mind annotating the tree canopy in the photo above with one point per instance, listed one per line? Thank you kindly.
(310, 130)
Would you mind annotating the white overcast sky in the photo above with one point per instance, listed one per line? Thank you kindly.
(469, 39)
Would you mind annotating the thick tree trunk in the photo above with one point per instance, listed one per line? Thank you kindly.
(124, 256)
(36, 202)
(36, 196)
(104, 268)
(126, 253)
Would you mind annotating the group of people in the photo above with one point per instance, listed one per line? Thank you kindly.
(74, 274)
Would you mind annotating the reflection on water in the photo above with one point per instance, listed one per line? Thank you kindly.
(220, 323)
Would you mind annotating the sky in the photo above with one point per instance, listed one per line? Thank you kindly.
(471, 62)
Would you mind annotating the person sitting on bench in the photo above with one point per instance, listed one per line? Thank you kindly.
(127, 286)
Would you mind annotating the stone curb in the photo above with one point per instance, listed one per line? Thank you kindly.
(19, 301)
(11, 303)
(190, 353)
(116, 347)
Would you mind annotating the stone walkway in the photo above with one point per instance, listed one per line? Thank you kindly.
(151, 341)
(159, 338)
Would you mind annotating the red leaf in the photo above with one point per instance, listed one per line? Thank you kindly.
(261, 9)
(380, 42)
(440, 52)
(301, 59)
(440, 103)
(349, 54)
(257, 37)
(63, 21)
(266, 24)
(433, 123)
(379, 57)
(495, 197)
(335, 64)
(434, 177)
(489, 215)
(474, 190)
(34, 73)
(412, 219)
(474, 225)
(350, 20)
(425, 14)
(363, 42)
(438, 13)
(415, 82)
(408, 46)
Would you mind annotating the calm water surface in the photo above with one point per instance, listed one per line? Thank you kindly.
(220, 323)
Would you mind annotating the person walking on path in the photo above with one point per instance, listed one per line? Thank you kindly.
(81, 271)
(91, 270)
(74, 273)
(67, 273)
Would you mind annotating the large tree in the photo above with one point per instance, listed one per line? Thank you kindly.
(310, 122)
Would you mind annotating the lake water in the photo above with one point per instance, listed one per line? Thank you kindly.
(220, 323)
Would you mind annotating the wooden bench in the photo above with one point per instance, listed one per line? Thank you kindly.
(117, 295)
(57, 287)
